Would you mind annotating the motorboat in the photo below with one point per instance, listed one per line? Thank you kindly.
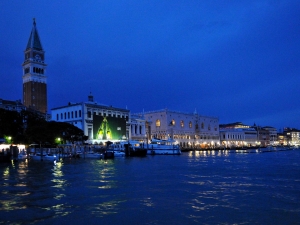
(127, 148)
(163, 147)
(90, 155)
(22, 155)
(43, 157)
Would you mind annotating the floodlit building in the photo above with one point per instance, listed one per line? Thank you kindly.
(34, 74)
(190, 130)
(272, 135)
(238, 135)
(101, 123)
(292, 136)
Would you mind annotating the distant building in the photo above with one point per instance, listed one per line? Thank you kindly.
(263, 136)
(190, 130)
(12, 105)
(101, 123)
(292, 136)
(34, 74)
(238, 135)
(272, 135)
(137, 127)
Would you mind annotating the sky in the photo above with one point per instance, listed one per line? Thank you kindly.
(232, 59)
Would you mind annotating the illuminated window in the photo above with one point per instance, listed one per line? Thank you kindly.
(157, 123)
(173, 122)
(190, 124)
(181, 123)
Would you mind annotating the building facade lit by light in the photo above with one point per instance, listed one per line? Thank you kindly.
(190, 130)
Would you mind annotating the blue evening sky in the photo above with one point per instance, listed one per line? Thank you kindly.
(232, 59)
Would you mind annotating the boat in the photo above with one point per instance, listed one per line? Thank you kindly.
(43, 157)
(135, 148)
(127, 148)
(90, 155)
(22, 155)
(163, 147)
(117, 148)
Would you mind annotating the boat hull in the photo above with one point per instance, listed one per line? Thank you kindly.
(38, 157)
(163, 152)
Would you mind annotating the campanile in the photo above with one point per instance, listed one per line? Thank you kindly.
(34, 73)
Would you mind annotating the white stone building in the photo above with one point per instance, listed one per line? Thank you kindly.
(99, 122)
(190, 130)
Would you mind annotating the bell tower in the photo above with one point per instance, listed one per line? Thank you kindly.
(34, 73)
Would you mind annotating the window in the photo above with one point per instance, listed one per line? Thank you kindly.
(202, 125)
(173, 122)
(61, 116)
(190, 124)
(181, 123)
(65, 115)
(68, 115)
(79, 113)
(208, 127)
(157, 123)
(72, 114)
(89, 114)
(75, 114)
(57, 117)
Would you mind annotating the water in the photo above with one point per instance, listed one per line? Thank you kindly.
(193, 188)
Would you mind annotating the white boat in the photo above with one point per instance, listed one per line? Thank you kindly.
(44, 157)
(163, 147)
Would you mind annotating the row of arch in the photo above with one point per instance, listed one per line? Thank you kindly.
(173, 123)
(35, 70)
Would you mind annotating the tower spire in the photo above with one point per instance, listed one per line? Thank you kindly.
(34, 39)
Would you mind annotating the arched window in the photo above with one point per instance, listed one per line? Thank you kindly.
(181, 123)
(173, 122)
(157, 123)
(190, 124)
(202, 125)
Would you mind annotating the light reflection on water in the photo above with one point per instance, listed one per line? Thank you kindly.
(209, 187)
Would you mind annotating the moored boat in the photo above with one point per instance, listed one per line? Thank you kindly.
(127, 148)
(163, 147)
(43, 157)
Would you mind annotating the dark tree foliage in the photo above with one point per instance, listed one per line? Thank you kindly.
(29, 127)
(11, 124)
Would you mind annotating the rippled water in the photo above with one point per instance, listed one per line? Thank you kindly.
(193, 188)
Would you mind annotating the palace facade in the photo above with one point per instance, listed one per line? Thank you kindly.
(190, 130)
